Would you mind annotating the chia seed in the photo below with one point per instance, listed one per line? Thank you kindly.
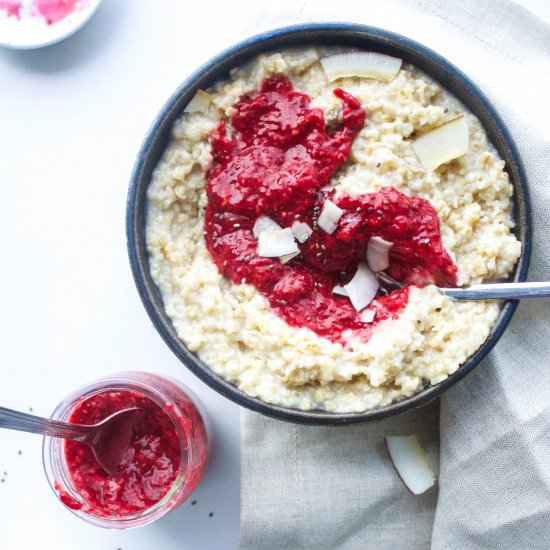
(371, 208)
(377, 165)
(380, 212)
(236, 225)
(358, 209)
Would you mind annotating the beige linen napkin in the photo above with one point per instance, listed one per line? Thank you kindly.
(309, 487)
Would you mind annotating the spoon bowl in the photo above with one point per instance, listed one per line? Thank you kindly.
(112, 437)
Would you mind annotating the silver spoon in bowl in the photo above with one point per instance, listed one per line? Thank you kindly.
(486, 291)
(108, 439)
(499, 291)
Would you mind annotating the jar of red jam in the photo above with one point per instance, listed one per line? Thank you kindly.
(161, 466)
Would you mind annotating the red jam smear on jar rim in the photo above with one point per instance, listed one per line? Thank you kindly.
(278, 161)
(149, 467)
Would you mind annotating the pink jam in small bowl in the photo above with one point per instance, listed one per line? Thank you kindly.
(161, 466)
(27, 24)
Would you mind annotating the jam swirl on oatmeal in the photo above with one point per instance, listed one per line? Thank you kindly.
(278, 161)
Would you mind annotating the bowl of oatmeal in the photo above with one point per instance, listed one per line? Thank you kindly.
(278, 187)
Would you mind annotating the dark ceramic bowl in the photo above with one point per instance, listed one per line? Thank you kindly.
(357, 36)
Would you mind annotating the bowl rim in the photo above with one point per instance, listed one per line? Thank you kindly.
(345, 34)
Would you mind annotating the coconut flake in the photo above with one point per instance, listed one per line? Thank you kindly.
(339, 291)
(367, 315)
(411, 463)
(200, 103)
(287, 257)
(362, 64)
(301, 231)
(378, 253)
(264, 223)
(442, 144)
(272, 244)
(363, 287)
(330, 216)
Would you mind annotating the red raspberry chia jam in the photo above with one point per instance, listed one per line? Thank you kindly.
(162, 465)
(149, 465)
(278, 162)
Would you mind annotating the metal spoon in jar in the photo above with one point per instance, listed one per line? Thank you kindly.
(487, 291)
(108, 439)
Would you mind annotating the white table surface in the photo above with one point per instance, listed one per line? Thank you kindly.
(72, 117)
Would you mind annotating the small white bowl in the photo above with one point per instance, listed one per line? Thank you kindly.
(25, 28)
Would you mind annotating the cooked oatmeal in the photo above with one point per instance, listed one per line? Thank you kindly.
(233, 327)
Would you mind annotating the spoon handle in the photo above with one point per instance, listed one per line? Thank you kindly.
(23, 422)
(500, 291)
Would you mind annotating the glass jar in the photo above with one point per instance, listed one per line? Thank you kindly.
(186, 413)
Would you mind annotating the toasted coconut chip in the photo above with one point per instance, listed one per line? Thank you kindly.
(330, 216)
(442, 144)
(273, 244)
(200, 103)
(265, 223)
(301, 231)
(363, 287)
(411, 463)
(361, 64)
(378, 253)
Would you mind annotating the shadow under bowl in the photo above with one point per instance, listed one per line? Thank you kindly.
(341, 34)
